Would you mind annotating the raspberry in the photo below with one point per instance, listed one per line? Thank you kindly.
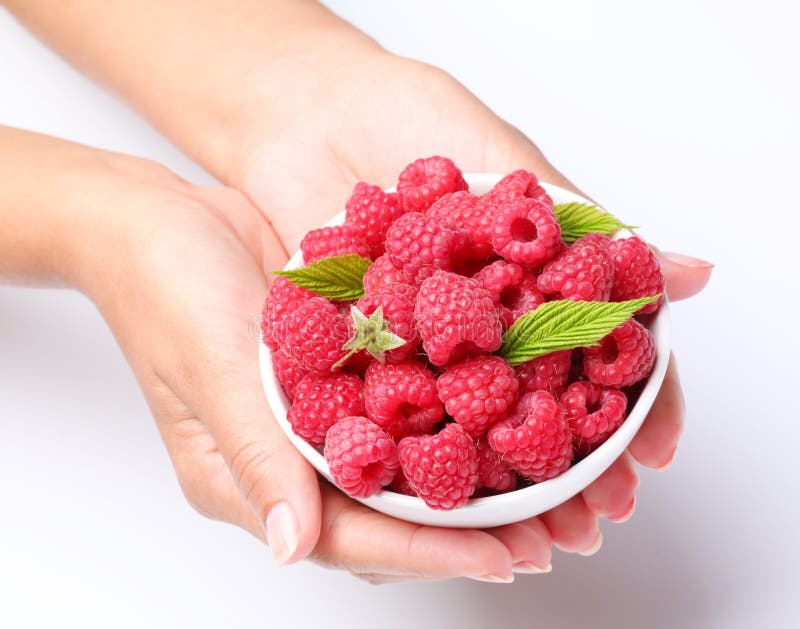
(401, 486)
(374, 211)
(443, 468)
(287, 371)
(584, 272)
(623, 357)
(493, 472)
(398, 303)
(513, 290)
(362, 457)
(418, 246)
(636, 272)
(425, 180)
(598, 239)
(283, 297)
(526, 231)
(540, 447)
(456, 318)
(478, 392)
(381, 273)
(320, 401)
(334, 241)
(546, 373)
(470, 213)
(401, 398)
(314, 334)
(594, 414)
(519, 184)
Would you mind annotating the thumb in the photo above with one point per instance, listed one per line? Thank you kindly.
(280, 486)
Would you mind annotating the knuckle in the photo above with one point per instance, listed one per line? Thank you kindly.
(253, 466)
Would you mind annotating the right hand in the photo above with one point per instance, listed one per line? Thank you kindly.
(178, 271)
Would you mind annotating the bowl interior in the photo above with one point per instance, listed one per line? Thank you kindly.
(512, 506)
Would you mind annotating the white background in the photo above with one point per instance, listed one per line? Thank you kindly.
(681, 117)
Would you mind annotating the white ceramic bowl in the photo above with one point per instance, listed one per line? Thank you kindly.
(516, 505)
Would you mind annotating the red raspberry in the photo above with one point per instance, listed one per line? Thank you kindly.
(443, 468)
(320, 401)
(456, 318)
(425, 180)
(519, 184)
(637, 272)
(594, 414)
(470, 213)
(623, 357)
(541, 446)
(513, 290)
(288, 372)
(362, 457)
(598, 239)
(401, 486)
(314, 334)
(338, 240)
(584, 272)
(401, 398)
(398, 303)
(493, 472)
(546, 373)
(374, 211)
(418, 246)
(382, 273)
(526, 231)
(283, 297)
(478, 392)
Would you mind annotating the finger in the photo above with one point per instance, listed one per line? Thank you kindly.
(277, 482)
(365, 541)
(529, 544)
(203, 474)
(685, 276)
(573, 527)
(612, 495)
(655, 443)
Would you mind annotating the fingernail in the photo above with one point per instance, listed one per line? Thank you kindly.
(626, 515)
(683, 260)
(595, 547)
(493, 578)
(670, 461)
(526, 567)
(283, 532)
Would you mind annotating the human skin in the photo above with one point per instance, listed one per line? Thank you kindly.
(291, 106)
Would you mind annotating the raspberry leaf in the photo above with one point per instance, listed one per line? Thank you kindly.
(338, 278)
(565, 324)
(372, 334)
(579, 219)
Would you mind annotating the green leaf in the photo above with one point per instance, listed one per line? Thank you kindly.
(339, 278)
(579, 219)
(372, 334)
(559, 325)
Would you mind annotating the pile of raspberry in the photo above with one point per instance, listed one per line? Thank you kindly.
(443, 416)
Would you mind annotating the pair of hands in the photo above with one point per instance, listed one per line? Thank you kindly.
(180, 271)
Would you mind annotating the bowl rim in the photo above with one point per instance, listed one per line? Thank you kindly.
(492, 510)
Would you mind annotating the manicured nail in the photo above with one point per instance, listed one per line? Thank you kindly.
(669, 461)
(526, 567)
(625, 515)
(493, 578)
(283, 532)
(679, 258)
(595, 547)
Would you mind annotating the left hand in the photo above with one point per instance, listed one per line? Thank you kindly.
(384, 113)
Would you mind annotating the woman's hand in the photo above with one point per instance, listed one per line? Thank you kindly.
(179, 272)
(292, 106)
